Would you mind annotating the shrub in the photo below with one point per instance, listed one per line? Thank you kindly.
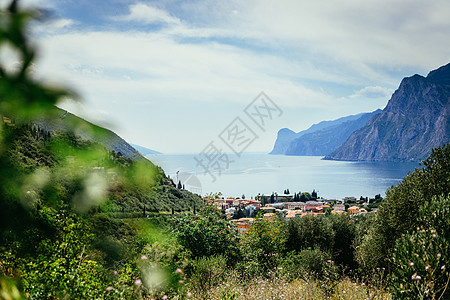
(309, 232)
(262, 246)
(207, 234)
(421, 258)
(399, 213)
(207, 272)
(344, 235)
(309, 264)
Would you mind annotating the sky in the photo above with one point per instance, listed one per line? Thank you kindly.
(172, 75)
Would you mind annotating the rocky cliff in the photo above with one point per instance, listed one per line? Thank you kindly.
(321, 138)
(325, 141)
(415, 121)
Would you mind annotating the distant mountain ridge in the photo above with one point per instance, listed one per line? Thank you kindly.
(328, 139)
(321, 138)
(60, 119)
(415, 120)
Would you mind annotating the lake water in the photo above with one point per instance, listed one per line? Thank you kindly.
(254, 173)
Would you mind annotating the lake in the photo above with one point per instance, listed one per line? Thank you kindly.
(254, 173)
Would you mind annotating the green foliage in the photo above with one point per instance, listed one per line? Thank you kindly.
(309, 264)
(207, 234)
(344, 235)
(305, 196)
(207, 272)
(72, 226)
(21, 96)
(262, 246)
(309, 232)
(333, 234)
(9, 289)
(399, 212)
(62, 265)
(53, 242)
(367, 243)
(421, 257)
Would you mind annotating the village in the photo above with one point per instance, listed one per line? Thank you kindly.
(242, 212)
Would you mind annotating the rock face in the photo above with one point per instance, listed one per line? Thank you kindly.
(284, 137)
(325, 141)
(415, 121)
(320, 139)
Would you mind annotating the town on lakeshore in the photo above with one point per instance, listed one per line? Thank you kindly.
(242, 211)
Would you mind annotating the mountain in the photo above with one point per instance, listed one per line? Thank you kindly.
(415, 121)
(319, 139)
(284, 137)
(325, 141)
(59, 119)
(144, 151)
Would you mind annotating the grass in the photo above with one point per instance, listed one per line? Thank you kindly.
(278, 288)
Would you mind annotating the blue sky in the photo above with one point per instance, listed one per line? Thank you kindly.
(171, 75)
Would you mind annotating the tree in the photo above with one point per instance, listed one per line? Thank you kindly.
(309, 232)
(314, 195)
(262, 246)
(263, 200)
(206, 233)
(305, 196)
(238, 213)
(420, 258)
(399, 211)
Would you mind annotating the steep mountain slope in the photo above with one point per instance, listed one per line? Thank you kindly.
(62, 120)
(325, 141)
(284, 138)
(415, 120)
(320, 138)
(144, 151)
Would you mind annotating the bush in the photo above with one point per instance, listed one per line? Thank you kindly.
(207, 234)
(421, 258)
(261, 247)
(309, 264)
(399, 213)
(207, 272)
(309, 232)
(344, 234)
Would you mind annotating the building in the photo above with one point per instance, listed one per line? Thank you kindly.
(312, 204)
(354, 210)
(338, 209)
(294, 205)
(243, 224)
(294, 214)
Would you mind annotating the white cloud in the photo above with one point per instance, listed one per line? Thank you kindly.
(163, 67)
(211, 59)
(364, 38)
(143, 13)
(60, 23)
(374, 92)
(388, 33)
